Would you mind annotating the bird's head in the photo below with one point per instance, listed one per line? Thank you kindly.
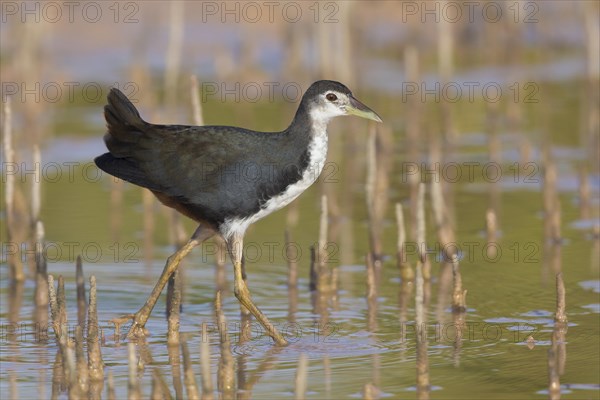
(327, 99)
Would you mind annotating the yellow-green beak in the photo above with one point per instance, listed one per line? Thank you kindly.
(360, 110)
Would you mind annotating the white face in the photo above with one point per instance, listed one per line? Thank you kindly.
(329, 104)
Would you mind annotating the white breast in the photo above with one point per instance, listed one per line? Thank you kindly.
(317, 157)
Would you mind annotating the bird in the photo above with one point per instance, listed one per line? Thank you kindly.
(222, 177)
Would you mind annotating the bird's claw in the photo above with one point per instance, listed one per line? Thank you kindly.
(137, 329)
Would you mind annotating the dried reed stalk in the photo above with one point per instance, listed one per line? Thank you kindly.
(160, 389)
(110, 387)
(422, 244)
(561, 315)
(82, 367)
(188, 373)
(323, 230)
(36, 184)
(406, 271)
(173, 54)
(420, 320)
(313, 274)
(459, 296)
(301, 376)
(53, 307)
(225, 373)
(13, 258)
(133, 385)
(41, 298)
(207, 385)
(173, 307)
(81, 301)
(95, 363)
(584, 194)
(370, 392)
(291, 260)
(197, 118)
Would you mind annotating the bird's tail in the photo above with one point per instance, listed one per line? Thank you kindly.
(125, 126)
(125, 130)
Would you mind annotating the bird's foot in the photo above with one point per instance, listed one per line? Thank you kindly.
(278, 338)
(137, 329)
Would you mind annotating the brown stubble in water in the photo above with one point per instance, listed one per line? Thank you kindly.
(174, 354)
(445, 51)
(225, 372)
(323, 280)
(57, 304)
(552, 242)
(421, 303)
(16, 220)
(160, 389)
(81, 362)
(292, 281)
(206, 380)
(246, 382)
(174, 289)
(188, 373)
(445, 237)
(41, 297)
(110, 387)
(407, 274)
(301, 377)
(584, 194)
(134, 391)
(552, 264)
(413, 131)
(557, 353)
(373, 279)
(81, 303)
(95, 362)
(459, 310)
(15, 232)
(71, 371)
(591, 136)
(377, 185)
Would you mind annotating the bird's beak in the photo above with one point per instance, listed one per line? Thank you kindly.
(360, 110)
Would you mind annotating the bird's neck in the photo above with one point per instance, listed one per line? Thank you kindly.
(310, 138)
(311, 124)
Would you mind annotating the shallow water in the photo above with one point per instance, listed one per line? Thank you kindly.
(510, 298)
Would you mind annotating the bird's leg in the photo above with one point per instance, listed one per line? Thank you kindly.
(139, 320)
(235, 245)
(244, 313)
(245, 316)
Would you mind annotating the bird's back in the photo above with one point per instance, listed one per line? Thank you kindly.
(209, 173)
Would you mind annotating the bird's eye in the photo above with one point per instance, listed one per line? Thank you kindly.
(331, 97)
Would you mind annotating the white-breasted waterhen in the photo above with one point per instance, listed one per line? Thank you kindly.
(222, 177)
